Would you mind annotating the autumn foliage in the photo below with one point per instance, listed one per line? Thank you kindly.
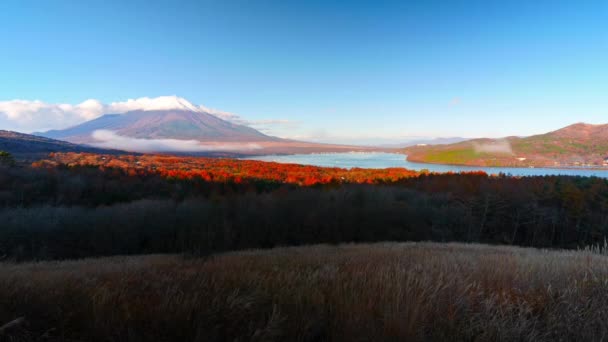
(228, 170)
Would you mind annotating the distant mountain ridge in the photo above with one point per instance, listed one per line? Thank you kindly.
(577, 145)
(424, 141)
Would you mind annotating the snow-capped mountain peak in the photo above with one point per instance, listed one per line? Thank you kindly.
(158, 103)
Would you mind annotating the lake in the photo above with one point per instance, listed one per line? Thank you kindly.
(377, 160)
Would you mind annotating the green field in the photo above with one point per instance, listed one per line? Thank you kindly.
(455, 156)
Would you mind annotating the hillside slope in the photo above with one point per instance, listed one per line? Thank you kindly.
(31, 147)
(578, 145)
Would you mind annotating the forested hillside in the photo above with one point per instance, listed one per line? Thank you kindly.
(58, 210)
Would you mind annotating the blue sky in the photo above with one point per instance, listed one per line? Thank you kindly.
(336, 71)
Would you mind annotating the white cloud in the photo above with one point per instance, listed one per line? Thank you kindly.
(32, 115)
(157, 103)
(109, 139)
(28, 116)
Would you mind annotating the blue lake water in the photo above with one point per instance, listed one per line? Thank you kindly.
(384, 160)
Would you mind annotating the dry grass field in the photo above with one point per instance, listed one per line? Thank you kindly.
(382, 292)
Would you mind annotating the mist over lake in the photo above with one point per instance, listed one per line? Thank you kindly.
(380, 160)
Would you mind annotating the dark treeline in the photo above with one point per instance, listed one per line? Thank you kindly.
(79, 212)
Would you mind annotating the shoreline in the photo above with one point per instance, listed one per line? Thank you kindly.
(421, 163)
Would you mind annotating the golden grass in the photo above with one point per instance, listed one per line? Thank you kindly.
(388, 291)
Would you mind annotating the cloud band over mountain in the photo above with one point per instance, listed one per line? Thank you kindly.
(109, 139)
(29, 116)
